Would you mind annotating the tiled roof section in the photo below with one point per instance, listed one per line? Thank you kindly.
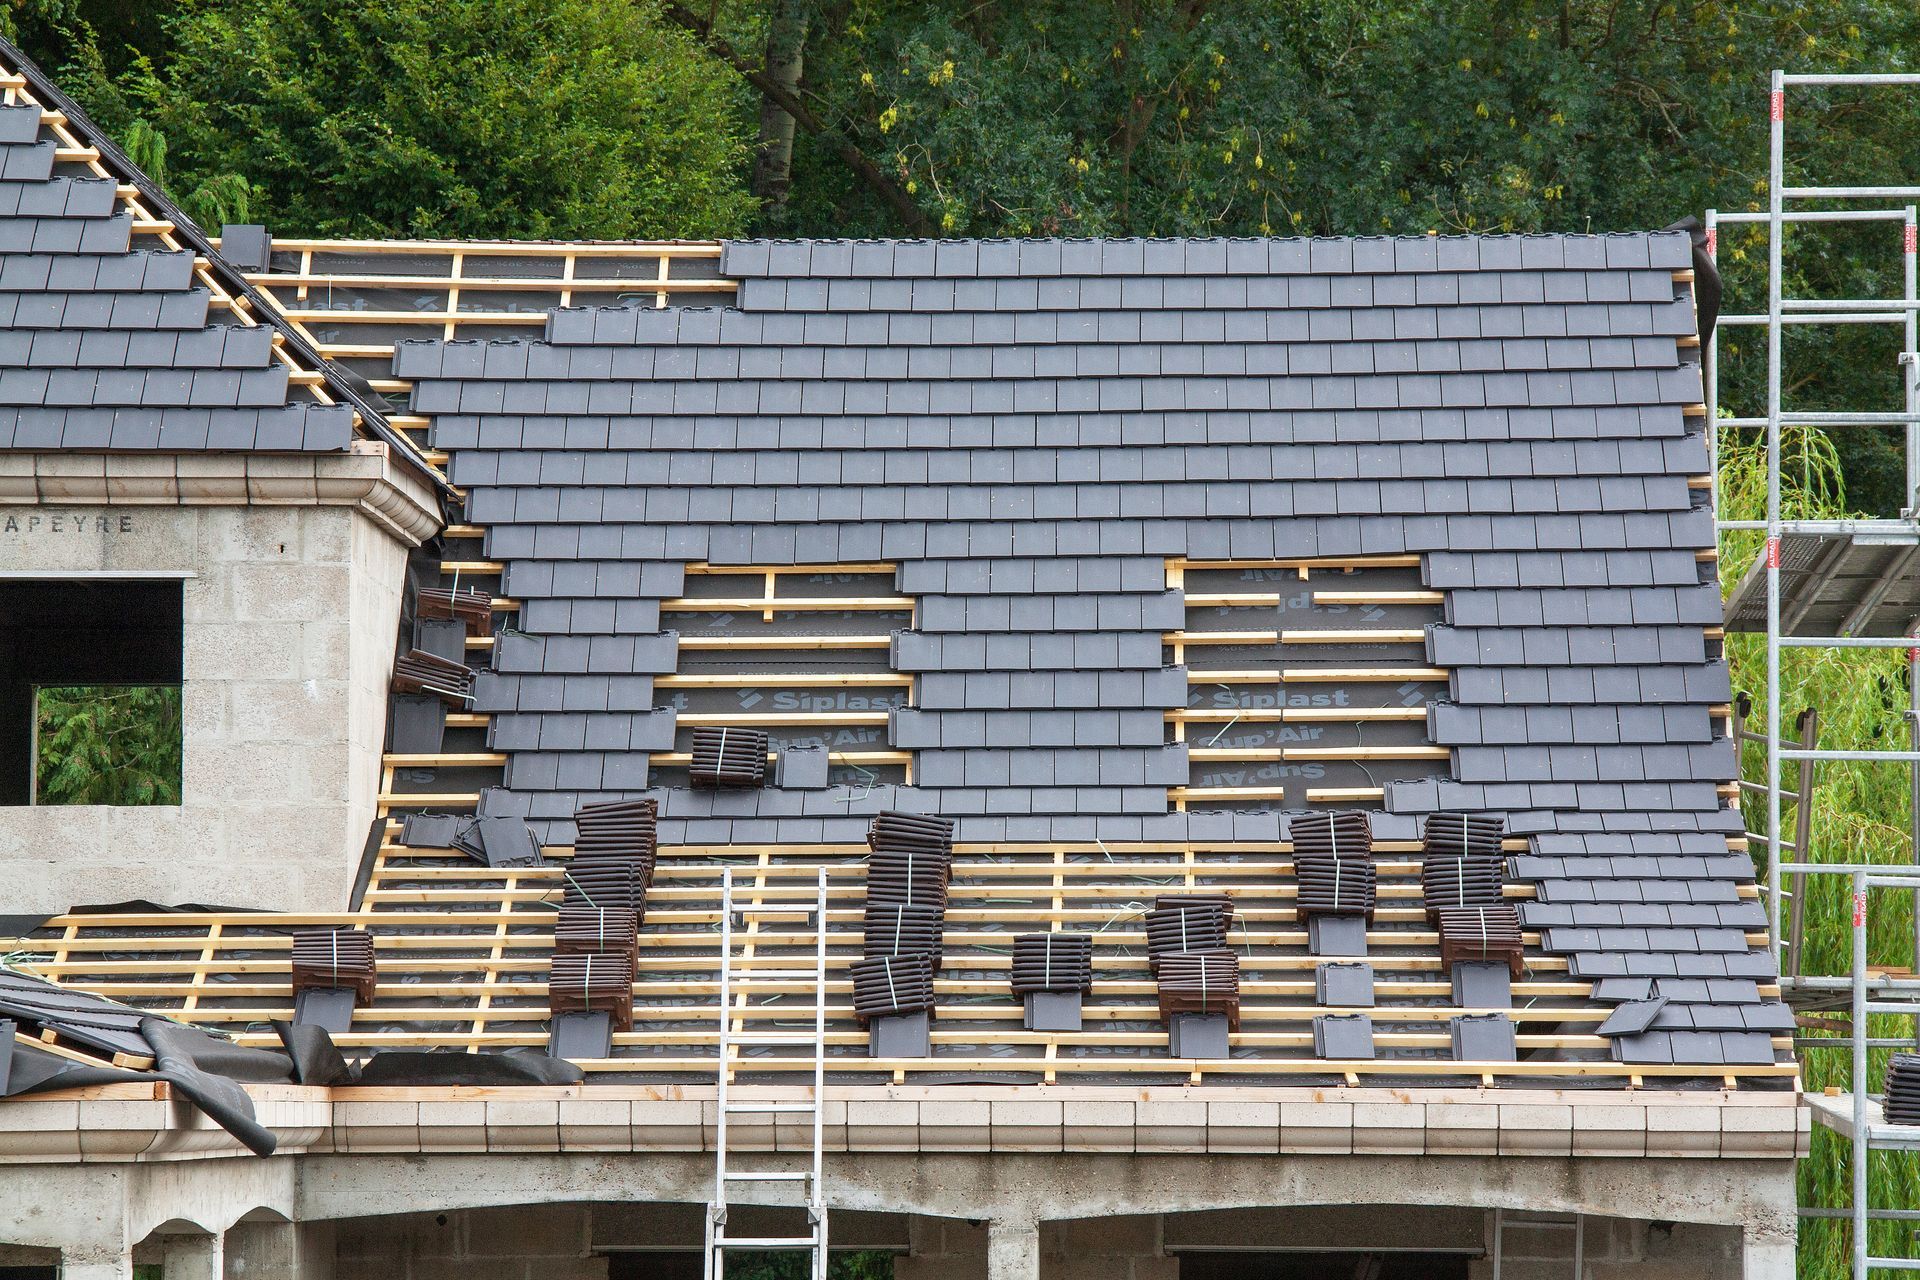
(109, 345)
(1029, 431)
(1049, 421)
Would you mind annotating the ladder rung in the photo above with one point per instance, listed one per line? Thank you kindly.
(765, 1242)
(744, 977)
(777, 1108)
(737, 1175)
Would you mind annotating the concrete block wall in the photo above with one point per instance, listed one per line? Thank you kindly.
(535, 1242)
(292, 604)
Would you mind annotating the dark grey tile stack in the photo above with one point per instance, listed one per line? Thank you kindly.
(108, 347)
(1029, 429)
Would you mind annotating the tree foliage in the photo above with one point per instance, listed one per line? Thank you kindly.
(514, 118)
(116, 745)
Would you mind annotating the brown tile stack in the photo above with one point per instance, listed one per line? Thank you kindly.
(470, 605)
(1462, 864)
(1187, 924)
(614, 852)
(597, 930)
(1200, 983)
(1481, 935)
(418, 672)
(728, 759)
(592, 982)
(335, 958)
(1333, 865)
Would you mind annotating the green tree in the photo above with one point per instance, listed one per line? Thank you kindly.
(374, 118)
(108, 744)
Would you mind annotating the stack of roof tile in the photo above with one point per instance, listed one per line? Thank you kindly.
(911, 859)
(1187, 924)
(892, 986)
(335, 958)
(1200, 983)
(418, 672)
(728, 758)
(1462, 864)
(1337, 881)
(1481, 935)
(1902, 1103)
(470, 605)
(614, 853)
(1052, 962)
(596, 930)
(593, 982)
(897, 929)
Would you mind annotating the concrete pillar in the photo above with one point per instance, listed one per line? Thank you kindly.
(194, 1257)
(92, 1266)
(280, 1251)
(1013, 1250)
(1768, 1255)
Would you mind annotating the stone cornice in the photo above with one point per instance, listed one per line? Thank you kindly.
(368, 478)
(106, 1124)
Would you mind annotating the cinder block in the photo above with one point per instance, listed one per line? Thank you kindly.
(1169, 1125)
(883, 1126)
(1025, 1125)
(593, 1124)
(1683, 1131)
(523, 1125)
(1243, 1126)
(1316, 1127)
(1389, 1128)
(956, 1125)
(1463, 1128)
(1098, 1126)
(1535, 1130)
(668, 1125)
(453, 1126)
(1609, 1129)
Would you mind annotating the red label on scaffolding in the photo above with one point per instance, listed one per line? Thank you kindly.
(1913, 238)
(1779, 105)
(1773, 553)
(1713, 241)
(1859, 908)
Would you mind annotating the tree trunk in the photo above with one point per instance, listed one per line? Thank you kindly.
(773, 162)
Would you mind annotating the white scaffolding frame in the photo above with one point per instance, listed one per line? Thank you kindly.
(1899, 996)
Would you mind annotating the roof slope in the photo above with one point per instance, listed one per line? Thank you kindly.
(121, 327)
(1049, 421)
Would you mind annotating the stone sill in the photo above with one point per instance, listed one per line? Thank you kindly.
(141, 1123)
(366, 477)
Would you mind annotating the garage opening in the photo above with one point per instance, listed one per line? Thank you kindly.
(1357, 1264)
(90, 689)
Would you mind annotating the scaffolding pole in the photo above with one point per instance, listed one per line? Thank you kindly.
(1896, 995)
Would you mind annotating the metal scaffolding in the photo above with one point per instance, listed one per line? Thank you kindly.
(1833, 584)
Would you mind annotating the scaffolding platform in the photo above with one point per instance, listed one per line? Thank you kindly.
(1835, 1111)
(1837, 584)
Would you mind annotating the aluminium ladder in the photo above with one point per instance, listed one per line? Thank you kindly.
(1853, 1114)
(745, 978)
